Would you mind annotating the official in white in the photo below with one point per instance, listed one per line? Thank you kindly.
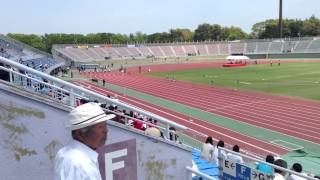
(79, 160)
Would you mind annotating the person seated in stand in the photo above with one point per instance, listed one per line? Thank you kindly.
(266, 168)
(297, 168)
(216, 152)
(234, 157)
(207, 149)
(138, 123)
(279, 174)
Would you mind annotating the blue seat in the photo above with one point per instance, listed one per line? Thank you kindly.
(204, 166)
(211, 172)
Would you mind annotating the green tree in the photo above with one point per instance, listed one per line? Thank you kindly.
(311, 27)
(203, 32)
(236, 33)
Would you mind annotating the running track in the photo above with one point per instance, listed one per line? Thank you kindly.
(298, 118)
(248, 143)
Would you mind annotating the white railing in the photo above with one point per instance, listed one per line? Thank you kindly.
(198, 173)
(68, 93)
(250, 158)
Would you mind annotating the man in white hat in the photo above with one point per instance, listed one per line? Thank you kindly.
(79, 160)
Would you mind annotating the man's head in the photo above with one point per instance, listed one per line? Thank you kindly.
(88, 124)
(297, 167)
(270, 159)
(209, 140)
(220, 143)
(281, 163)
(236, 148)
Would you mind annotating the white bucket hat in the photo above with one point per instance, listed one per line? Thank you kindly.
(87, 115)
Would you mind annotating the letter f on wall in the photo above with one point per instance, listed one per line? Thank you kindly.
(109, 166)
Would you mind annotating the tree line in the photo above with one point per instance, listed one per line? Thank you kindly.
(204, 32)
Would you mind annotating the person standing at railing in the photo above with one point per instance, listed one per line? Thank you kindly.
(297, 168)
(279, 174)
(234, 157)
(216, 152)
(79, 160)
(207, 149)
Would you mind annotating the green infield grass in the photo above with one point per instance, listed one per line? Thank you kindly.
(298, 79)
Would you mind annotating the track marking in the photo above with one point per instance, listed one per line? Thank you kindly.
(249, 144)
(283, 143)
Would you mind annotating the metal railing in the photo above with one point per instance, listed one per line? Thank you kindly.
(68, 93)
(253, 159)
(198, 173)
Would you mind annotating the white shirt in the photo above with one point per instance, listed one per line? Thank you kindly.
(216, 154)
(207, 151)
(234, 158)
(278, 176)
(76, 161)
(295, 177)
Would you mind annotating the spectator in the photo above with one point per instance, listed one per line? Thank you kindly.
(137, 122)
(153, 131)
(297, 168)
(4, 75)
(83, 101)
(173, 134)
(207, 149)
(279, 174)
(79, 160)
(266, 168)
(216, 152)
(234, 157)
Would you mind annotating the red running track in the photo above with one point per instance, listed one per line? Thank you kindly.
(298, 118)
(231, 137)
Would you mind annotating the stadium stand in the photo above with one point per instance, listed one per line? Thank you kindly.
(262, 47)
(237, 48)
(156, 51)
(167, 50)
(288, 46)
(25, 54)
(213, 49)
(273, 46)
(302, 46)
(178, 50)
(133, 51)
(145, 51)
(190, 49)
(224, 49)
(314, 46)
(202, 49)
(251, 47)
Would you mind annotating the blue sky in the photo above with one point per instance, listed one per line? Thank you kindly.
(148, 16)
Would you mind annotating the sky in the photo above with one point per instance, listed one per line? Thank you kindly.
(147, 16)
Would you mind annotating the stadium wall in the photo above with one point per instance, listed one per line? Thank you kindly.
(33, 129)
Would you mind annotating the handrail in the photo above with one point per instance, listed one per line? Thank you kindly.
(269, 164)
(91, 93)
(200, 173)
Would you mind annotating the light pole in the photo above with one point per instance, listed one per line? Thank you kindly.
(280, 25)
